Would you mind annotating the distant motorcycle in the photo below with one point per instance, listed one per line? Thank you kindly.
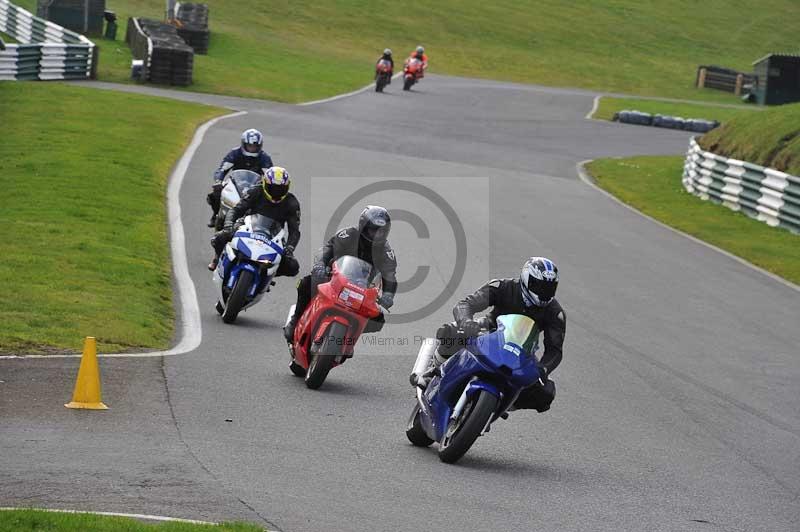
(248, 265)
(235, 184)
(474, 387)
(413, 71)
(343, 309)
(383, 74)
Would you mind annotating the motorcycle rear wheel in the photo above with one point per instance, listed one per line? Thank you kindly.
(380, 83)
(322, 360)
(238, 294)
(462, 432)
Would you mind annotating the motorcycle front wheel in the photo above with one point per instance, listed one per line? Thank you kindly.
(407, 83)
(464, 430)
(322, 360)
(238, 294)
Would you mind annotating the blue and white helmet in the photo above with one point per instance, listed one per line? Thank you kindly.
(538, 281)
(252, 142)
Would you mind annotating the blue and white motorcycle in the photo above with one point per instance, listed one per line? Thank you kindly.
(474, 387)
(248, 264)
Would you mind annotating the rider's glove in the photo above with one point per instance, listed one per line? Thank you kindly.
(470, 327)
(386, 300)
(217, 186)
(542, 372)
(288, 251)
(319, 274)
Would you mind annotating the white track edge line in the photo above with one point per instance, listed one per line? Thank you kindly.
(115, 514)
(191, 327)
(586, 178)
(345, 95)
(595, 105)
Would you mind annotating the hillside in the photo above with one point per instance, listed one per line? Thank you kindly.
(294, 50)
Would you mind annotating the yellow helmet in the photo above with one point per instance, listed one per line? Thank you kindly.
(276, 183)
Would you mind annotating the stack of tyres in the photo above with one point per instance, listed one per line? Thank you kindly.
(669, 122)
(192, 23)
(634, 117)
(82, 16)
(672, 122)
(700, 126)
(170, 59)
(136, 40)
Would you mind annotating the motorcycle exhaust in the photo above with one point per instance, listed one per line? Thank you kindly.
(424, 357)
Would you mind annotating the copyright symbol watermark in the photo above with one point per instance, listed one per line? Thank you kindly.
(439, 229)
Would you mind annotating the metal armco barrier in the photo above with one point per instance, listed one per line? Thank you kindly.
(762, 193)
(46, 50)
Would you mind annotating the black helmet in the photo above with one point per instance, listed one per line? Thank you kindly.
(374, 224)
(538, 281)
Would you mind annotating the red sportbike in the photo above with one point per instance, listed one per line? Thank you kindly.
(413, 71)
(383, 74)
(343, 309)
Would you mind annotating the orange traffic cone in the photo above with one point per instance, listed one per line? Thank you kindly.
(87, 386)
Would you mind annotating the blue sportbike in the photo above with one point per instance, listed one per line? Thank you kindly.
(474, 387)
(248, 265)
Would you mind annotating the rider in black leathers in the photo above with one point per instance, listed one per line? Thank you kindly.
(532, 294)
(249, 155)
(272, 199)
(369, 243)
(387, 55)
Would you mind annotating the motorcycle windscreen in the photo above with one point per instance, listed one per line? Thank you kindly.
(358, 272)
(244, 180)
(264, 225)
(516, 334)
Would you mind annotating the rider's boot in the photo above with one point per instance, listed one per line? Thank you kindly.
(288, 329)
(213, 264)
(433, 371)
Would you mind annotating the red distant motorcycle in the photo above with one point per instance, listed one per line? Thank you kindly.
(343, 309)
(413, 71)
(383, 74)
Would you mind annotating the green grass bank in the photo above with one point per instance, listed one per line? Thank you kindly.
(44, 521)
(770, 138)
(653, 186)
(295, 50)
(83, 209)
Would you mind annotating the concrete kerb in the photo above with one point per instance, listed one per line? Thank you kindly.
(142, 517)
(145, 517)
(587, 178)
(345, 95)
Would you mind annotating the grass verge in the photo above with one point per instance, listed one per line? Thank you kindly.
(295, 50)
(84, 175)
(44, 521)
(609, 105)
(770, 138)
(653, 186)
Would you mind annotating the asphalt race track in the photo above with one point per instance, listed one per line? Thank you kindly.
(678, 407)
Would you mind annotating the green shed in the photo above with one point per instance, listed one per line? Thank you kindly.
(777, 79)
